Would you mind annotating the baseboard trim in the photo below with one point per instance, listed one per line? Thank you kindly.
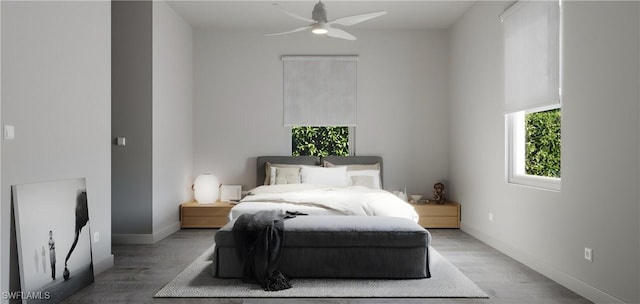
(102, 265)
(132, 239)
(576, 285)
(167, 231)
(145, 238)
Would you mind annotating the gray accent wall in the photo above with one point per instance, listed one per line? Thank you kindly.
(3, 209)
(131, 117)
(56, 79)
(402, 114)
(598, 204)
(152, 109)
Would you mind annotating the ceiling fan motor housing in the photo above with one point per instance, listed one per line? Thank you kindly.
(319, 14)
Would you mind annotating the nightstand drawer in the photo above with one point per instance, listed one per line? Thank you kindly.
(439, 222)
(205, 212)
(194, 215)
(203, 222)
(436, 210)
(434, 215)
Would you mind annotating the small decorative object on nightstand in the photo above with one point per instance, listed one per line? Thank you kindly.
(230, 193)
(438, 193)
(195, 215)
(415, 198)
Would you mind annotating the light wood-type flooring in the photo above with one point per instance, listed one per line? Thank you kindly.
(141, 270)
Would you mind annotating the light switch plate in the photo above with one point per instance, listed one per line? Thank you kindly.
(9, 132)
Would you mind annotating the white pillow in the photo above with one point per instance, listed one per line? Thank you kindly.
(355, 167)
(375, 174)
(334, 176)
(360, 180)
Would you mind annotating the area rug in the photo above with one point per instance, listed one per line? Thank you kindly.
(197, 281)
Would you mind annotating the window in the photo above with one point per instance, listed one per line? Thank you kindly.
(535, 142)
(321, 141)
(542, 143)
(320, 103)
(532, 61)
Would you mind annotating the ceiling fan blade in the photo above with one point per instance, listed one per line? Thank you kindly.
(293, 15)
(351, 20)
(338, 33)
(289, 32)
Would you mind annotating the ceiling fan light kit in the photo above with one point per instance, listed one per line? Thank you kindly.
(321, 26)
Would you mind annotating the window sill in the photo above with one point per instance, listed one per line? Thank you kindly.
(539, 182)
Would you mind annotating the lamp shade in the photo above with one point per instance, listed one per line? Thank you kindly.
(205, 188)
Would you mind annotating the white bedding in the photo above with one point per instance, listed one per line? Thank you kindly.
(324, 200)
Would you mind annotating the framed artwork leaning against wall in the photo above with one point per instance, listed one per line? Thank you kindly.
(53, 239)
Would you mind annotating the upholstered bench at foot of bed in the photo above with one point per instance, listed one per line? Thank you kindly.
(340, 247)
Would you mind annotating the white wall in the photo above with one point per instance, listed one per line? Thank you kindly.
(402, 101)
(56, 92)
(599, 202)
(172, 117)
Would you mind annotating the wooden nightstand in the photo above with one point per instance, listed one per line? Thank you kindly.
(433, 215)
(194, 215)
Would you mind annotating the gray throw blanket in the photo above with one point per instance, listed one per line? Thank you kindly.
(259, 242)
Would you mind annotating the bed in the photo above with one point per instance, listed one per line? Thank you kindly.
(379, 237)
(361, 195)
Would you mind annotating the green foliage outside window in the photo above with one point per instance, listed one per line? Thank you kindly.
(543, 143)
(320, 141)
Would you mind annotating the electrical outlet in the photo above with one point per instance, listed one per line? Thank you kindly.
(96, 237)
(588, 254)
(490, 217)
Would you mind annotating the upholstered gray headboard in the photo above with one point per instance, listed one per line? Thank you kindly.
(314, 160)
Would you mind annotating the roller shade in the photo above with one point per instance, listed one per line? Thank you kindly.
(532, 55)
(320, 90)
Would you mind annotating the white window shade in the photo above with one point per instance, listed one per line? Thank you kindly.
(320, 90)
(532, 56)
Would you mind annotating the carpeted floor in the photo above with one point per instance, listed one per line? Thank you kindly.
(446, 281)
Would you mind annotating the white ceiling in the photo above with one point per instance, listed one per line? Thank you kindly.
(241, 14)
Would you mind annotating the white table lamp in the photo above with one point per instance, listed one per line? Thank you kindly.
(205, 188)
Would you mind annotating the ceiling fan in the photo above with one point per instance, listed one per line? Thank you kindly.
(320, 25)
